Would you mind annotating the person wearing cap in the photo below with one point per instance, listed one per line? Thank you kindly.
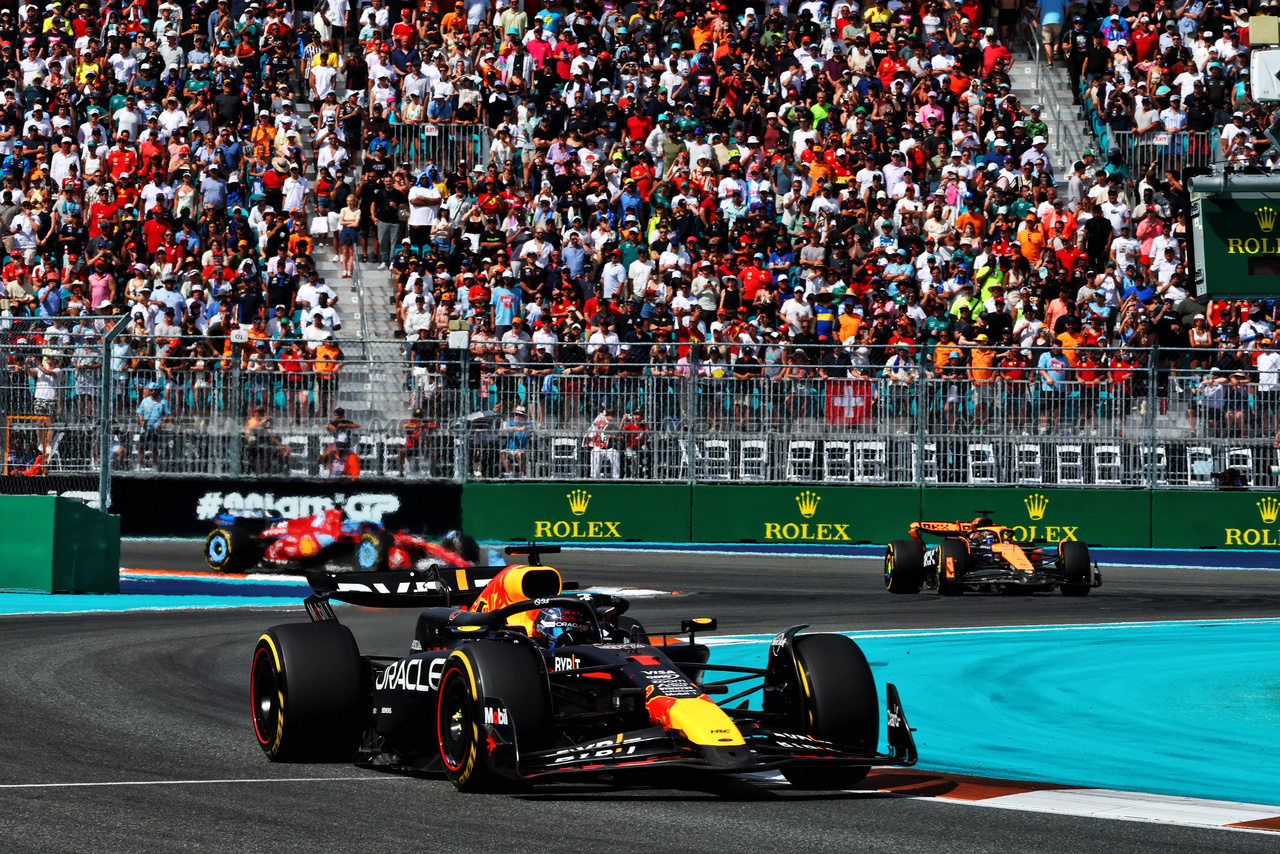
(153, 416)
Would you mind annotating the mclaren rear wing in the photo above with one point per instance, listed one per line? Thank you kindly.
(433, 587)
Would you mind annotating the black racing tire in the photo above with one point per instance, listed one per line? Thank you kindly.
(838, 704)
(307, 693)
(463, 546)
(231, 549)
(904, 567)
(370, 554)
(627, 624)
(958, 551)
(1077, 565)
(513, 672)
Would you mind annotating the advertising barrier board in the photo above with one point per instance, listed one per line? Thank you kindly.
(1218, 519)
(1112, 518)
(591, 513)
(809, 515)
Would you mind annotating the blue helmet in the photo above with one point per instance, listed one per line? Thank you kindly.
(561, 625)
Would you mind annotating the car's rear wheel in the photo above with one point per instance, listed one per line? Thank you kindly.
(231, 549)
(838, 704)
(904, 567)
(307, 692)
(1077, 565)
(953, 556)
(371, 551)
(508, 671)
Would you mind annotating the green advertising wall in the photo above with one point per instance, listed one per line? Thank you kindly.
(1116, 518)
(827, 515)
(571, 512)
(1224, 520)
(852, 515)
(1237, 244)
(58, 545)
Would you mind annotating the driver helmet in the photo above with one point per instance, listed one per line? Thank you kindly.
(560, 626)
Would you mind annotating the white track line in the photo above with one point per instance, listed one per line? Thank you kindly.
(197, 782)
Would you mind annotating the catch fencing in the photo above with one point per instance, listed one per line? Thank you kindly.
(449, 146)
(741, 412)
(1170, 150)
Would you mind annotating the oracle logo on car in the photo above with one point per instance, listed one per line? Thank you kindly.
(361, 507)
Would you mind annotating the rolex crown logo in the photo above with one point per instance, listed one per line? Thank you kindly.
(1266, 218)
(578, 501)
(808, 503)
(1036, 505)
(1270, 509)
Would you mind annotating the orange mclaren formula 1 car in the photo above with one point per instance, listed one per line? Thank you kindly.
(510, 679)
(981, 555)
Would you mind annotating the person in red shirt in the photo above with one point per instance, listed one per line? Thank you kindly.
(753, 278)
(1067, 255)
(639, 126)
(103, 210)
(995, 55)
(888, 70)
(1090, 374)
(1015, 368)
(642, 174)
(154, 229)
(122, 158)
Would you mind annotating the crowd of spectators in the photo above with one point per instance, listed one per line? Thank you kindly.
(703, 186)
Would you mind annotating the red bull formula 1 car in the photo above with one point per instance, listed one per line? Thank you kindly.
(510, 679)
(981, 555)
(243, 540)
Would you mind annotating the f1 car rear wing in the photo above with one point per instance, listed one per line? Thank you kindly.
(429, 588)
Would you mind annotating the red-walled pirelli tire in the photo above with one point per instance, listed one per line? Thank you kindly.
(957, 552)
(1078, 566)
(308, 690)
(904, 567)
(840, 705)
(512, 672)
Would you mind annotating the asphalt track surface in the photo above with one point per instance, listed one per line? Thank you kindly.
(162, 698)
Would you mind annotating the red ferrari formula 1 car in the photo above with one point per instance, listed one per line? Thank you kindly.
(510, 680)
(241, 541)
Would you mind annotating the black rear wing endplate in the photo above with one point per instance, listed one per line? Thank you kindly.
(433, 587)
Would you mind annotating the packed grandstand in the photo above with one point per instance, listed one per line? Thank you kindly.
(749, 241)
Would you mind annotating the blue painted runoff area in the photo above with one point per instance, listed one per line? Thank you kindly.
(44, 603)
(1179, 708)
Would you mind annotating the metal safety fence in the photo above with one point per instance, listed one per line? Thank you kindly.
(1174, 150)
(449, 146)
(745, 411)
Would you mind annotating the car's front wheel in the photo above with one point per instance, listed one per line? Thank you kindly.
(904, 567)
(838, 704)
(307, 692)
(513, 672)
(1077, 566)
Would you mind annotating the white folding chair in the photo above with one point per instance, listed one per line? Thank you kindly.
(1027, 464)
(299, 455)
(982, 463)
(924, 462)
(870, 462)
(800, 454)
(714, 464)
(835, 460)
(1161, 463)
(564, 457)
(1070, 467)
(1200, 466)
(1108, 465)
(753, 459)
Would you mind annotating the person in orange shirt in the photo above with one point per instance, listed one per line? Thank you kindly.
(974, 219)
(701, 31)
(1031, 241)
(1070, 340)
(818, 169)
(982, 376)
(455, 21)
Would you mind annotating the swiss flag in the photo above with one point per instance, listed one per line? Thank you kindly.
(849, 401)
